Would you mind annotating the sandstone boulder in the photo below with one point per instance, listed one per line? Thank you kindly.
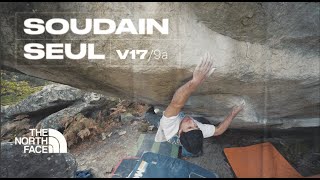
(265, 53)
(50, 98)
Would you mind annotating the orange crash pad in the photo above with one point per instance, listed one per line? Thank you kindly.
(259, 161)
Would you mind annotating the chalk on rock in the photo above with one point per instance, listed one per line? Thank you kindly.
(109, 135)
(243, 103)
(150, 128)
(156, 110)
(103, 136)
(122, 133)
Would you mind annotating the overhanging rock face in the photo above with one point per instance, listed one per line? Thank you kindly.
(265, 53)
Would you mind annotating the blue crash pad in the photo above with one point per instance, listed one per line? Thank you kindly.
(152, 165)
(125, 167)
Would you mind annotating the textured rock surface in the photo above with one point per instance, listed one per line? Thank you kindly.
(92, 102)
(266, 53)
(16, 164)
(54, 103)
(51, 97)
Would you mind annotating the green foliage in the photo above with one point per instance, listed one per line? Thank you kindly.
(14, 91)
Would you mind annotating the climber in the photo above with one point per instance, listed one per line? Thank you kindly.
(178, 128)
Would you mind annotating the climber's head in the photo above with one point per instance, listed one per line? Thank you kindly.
(191, 136)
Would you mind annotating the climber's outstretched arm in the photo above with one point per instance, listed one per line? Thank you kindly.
(223, 126)
(203, 70)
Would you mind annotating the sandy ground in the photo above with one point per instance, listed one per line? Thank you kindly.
(103, 155)
(300, 147)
